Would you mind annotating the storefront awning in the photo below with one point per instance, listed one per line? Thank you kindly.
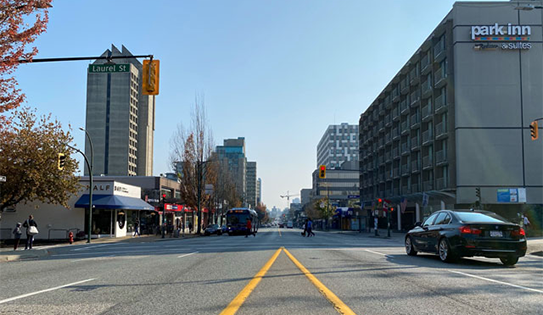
(113, 202)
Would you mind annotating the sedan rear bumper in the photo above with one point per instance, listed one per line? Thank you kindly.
(492, 249)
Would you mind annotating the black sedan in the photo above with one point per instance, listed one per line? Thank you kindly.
(213, 229)
(455, 234)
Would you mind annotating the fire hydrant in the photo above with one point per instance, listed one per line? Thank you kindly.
(71, 237)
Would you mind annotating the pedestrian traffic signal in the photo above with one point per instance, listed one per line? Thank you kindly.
(322, 171)
(150, 77)
(534, 132)
(61, 161)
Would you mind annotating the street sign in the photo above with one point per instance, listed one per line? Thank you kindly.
(353, 196)
(104, 68)
(2, 179)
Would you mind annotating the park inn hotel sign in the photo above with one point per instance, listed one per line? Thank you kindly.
(506, 37)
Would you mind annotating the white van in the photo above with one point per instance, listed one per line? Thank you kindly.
(289, 225)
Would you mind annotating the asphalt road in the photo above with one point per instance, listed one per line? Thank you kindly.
(210, 275)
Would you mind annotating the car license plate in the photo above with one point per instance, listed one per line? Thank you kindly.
(496, 234)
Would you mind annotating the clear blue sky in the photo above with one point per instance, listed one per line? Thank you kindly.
(275, 72)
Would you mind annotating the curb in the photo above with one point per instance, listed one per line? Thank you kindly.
(26, 256)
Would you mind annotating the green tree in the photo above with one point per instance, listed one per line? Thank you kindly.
(262, 213)
(29, 148)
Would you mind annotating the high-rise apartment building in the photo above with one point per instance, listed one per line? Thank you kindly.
(456, 117)
(252, 185)
(338, 144)
(259, 191)
(232, 155)
(119, 119)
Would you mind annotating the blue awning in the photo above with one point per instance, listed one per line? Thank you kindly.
(113, 202)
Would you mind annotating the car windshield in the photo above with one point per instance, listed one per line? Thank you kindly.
(468, 217)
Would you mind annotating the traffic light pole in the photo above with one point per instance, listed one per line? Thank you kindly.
(108, 58)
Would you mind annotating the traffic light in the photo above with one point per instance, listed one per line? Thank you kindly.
(478, 193)
(322, 171)
(150, 77)
(533, 130)
(163, 198)
(61, 161)
(391, 209)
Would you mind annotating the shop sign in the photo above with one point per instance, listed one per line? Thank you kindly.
(506, 37)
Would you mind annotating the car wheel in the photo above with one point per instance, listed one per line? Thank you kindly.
(509, 260)
(409, 249)
(445, 252)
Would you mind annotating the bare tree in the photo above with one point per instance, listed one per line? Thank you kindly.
(192, 148)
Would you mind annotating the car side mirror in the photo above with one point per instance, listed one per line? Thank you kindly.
(418, 224)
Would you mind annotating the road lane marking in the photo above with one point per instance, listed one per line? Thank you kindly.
(187, 255)
(374, 252)
(495, 281)
(43, 291)
(340, 307)
(236, 303)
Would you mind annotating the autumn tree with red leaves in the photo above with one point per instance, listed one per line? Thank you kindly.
(16, 32)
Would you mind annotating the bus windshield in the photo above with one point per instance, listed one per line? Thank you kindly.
(237, 218)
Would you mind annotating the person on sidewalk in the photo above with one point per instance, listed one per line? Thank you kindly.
(136, 228)
(305, 228)
(310, 228)
(17, 232)
(190, 227)
(29, 236)
(249, 228)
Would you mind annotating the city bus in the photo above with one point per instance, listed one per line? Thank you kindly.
(236, 220)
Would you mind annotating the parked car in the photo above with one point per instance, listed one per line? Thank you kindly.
(467, 233)
(213, 229)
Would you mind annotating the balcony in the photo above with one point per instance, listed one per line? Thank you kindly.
(427, 112)
(440, 78)
(405, 126)
(426, 89)
(406, 149)
(439, 50)
(415, 166)
(405, 189)
(414, 75)
(382, 109)
(396, 172)
(396, 113)
(441, 130)
(388, 157)
(375, 115)
(395, 133)
(427, 162)
(388, 120)
(405, 170)
(428, 185)
(425, 64)
(415, 188)
(404, 107)
(441, 157)
(395, 153)
(380, 143)
(415, 145)
(415, 120)
(415, 98)
(441, 183)
(427, 137)
(396, 94)
(388, 138)
(388, 101)
(381, 178)
(404, 86)
(381, 126)
(441, 104)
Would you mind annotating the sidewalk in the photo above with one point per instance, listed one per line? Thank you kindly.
(8, 254)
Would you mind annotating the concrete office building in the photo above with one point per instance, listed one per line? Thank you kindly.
(119, 119)
(232, 155)
(338, 144)
(456, 117)
(252, 185)
(259, 191)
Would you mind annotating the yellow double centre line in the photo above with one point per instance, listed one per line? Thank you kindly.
(236, 303)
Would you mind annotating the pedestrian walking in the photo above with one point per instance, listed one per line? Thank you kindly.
(526, 222)
(249, 227)
(310, 228)
(136, 228)
(17, 232)
(31, 230)
(305, 228)
(190, 227)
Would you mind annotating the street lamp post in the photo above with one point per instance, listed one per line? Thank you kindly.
(89, 166)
